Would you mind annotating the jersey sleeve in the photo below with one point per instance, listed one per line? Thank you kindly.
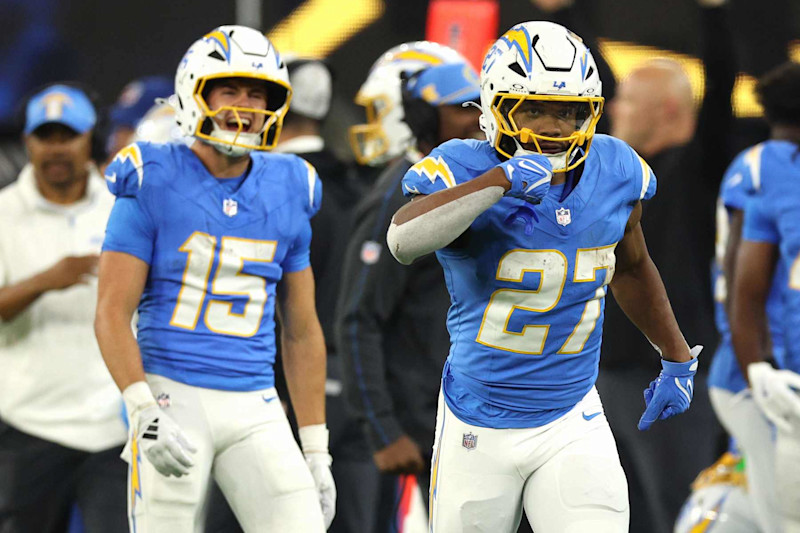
(125, 174)
(759, 222)
(130, 229)
(437, 171)
(644, 177)
(742, 178)
(312, 188)
(299, 255)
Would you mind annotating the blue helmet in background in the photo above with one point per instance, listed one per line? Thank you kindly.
(439, 85)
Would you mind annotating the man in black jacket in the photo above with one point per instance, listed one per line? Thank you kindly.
(390, 323)
(654, 111)
(356, 475)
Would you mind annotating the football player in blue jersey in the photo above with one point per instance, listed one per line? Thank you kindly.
(204, 241)
(530, 227)
(770, 236)
(728, 391)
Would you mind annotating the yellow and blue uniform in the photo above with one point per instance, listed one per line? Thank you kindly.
(773, 216)
(741, 181)
(216, 250)
(527, 283)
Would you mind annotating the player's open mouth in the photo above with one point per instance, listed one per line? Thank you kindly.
(231, 124)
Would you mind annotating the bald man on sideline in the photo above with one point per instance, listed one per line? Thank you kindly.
(687, 146)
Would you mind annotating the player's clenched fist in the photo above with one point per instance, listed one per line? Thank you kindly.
(529, 175)
(156, 434)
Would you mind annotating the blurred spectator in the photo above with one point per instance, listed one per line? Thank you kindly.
(654, 112)
(61, 428)
(390, 320)
(135, 100)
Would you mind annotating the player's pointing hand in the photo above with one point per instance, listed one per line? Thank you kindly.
(671, 392)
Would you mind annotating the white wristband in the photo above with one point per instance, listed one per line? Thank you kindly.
(137, 396)
(314, 439)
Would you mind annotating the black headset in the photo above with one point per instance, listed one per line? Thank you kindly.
(421, 117)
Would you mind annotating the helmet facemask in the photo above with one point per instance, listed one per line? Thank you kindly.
(369, 141)
(241, 142)
(514, 112)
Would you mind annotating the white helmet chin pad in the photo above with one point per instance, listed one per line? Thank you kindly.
(232, 143)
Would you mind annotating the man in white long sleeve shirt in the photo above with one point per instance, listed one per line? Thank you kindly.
(61, 426)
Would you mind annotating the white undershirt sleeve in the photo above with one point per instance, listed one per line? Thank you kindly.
(439, 227)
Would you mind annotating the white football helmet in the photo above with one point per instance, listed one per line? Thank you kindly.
(541, 62)
(385, 135)
(158, 124)
(231, 52)
(719, 501)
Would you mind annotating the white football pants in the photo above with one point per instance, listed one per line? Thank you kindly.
(566, 475)
(243, 439)
(787, 476)
(742, 419)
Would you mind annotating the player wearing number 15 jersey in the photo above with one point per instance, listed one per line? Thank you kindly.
(530, 227)
(204, 240)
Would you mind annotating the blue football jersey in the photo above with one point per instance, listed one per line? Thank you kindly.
(206, 317)
(740, 182)
(773, 215)
(527, 296)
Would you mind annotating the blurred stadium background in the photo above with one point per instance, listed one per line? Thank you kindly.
(108, 44)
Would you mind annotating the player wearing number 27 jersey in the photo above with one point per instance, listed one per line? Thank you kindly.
(527, 314)
(530, 227)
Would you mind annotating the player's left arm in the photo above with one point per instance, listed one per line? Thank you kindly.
(638, 289)
(304, 363)
(302, 346)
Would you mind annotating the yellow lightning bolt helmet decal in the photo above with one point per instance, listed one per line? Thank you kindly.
(416, 55)
(435, 168)
(518, 36)
(221, 38)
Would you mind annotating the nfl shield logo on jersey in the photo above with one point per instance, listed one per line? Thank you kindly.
(230, 207)
(563, 216)
(469, 441)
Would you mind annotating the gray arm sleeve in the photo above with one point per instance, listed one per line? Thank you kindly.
(439, 227)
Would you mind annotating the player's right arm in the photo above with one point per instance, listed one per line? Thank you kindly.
(121, 281)
(124, 267)
(433, 221)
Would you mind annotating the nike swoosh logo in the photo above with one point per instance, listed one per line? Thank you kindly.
(112, 177)
(589, 417)
(269, 399)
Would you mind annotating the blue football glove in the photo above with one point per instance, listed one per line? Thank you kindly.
(671, 392)
(529, 175)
